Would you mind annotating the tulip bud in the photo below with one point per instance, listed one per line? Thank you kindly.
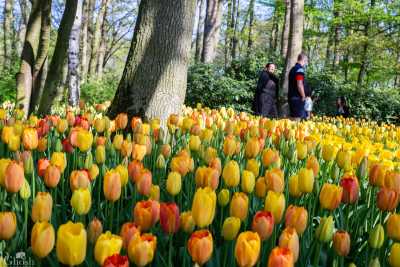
(42, 207)
(200, 246)
(362, 170)
(394, 258)
(374, 263)
(275, 203)
(248, 181)
(123, 174)
(341, 243)
(247, 249)
(174, 183)
(376, 237)
(28, 164)
(100, 154)
(88, 160)
(223, 197)
(187, 222)
(93, 172)
(160, 162)
(324, 232)
(95, 228)
(8, 225)
(351, 189)
(25, 191)
(230, 228)
(239, 206)
(289, 239)
(52, 176)
(154, 192)
(301, 149)
(42, 239)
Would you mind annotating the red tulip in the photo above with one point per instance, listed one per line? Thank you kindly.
(351, 189)
(116, 260)
(169, 217)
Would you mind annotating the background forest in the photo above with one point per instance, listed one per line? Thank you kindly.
(353, 47)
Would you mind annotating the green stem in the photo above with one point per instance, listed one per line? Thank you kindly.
(26, 222)
(170, 251)
(317, 253)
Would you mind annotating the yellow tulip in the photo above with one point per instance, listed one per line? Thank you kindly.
(203, 206)
(248, 181)
(107, 245)
(231, 174)
(247, 249)
(223, 197)
(174, 183)
(239, 206)
(230, 228)
(394, 258)
(71, 243)
(42, 239)
(123, 174)
(81, 201)
(275, 203)
(306, 180)
(84, 140)
(58, 159)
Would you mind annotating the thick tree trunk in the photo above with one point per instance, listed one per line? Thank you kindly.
(102, 48)
(42, 55)
(199, 32)
(96, 41)
(7, 33)
(286, 29)
(85, 39)
(23, 5)
(153, 84)
(28, 56)
(235, 23)
(294, 46)
(250, 40)
(74, 84)
(59, 56)
(212, 26)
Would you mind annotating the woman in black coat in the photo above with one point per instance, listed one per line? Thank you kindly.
(265, 98)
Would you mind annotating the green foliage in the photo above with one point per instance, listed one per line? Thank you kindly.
(7, 85)
(99, 91)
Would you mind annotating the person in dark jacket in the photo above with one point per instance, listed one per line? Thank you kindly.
(342, 107)
(265, 98)
(298, 88)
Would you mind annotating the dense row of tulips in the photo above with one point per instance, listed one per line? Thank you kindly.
(215, 188)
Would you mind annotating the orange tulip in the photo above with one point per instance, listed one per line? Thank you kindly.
(8, 225)
(169, 217)
(30, 138)
(134, 169)
(42, 207)
(144, 181)
(239, 206)
(281, 257)
(377, 174)
(252, 148)
(275, 180)
(392, 181)
(142, 248)
(112, 185)
(312, 163)
(247, 249)
(387, 199)
(393, 226)
(207, 176)
(128, 231)
(3, 167)
(138, 152)
(95, 229)
(42, 239)
(52, 176)
(263, 224)
(229, 146)
(200, 246)
(261, 187)
(289, 239)
(182, 164)
(297, 218)
(14, 177)
(341, 243)
(271, 157)
(330, 196)
(121, 121)
(146, 214)
(79, 179)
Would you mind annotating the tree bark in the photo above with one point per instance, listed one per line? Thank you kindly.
(228, 33)
(250, 40)
(96, 41)
(85, 39)
(102, 48)
(28, 55)
(294, 46)
(275, 30)
(74, 82)
(7, 33)
(23, 5)
(59, 56)
(235, 23)
(153, 84)
(199, 33)
(212, 26)
(336, 39)
(286, 29)
(42, 54)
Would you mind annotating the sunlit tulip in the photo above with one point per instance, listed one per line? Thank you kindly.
(94, 230)
(42, 207)
(58, 159)
(313, 164)
(112, 185)
(254, 166)
(14, 143)
(306, 180)
(351, 189)
(289, 239)
(328, 152)
(230, 228)
(223, 197)
(169, 217)
(107, 245)
(174, 183)
(392, 181)
(393, 226)
(229, 146)
(239, 206)
(71, 243)
(247, 249)
(30, 138)
(84, 140)
(271, 157)
(207, 177)
(160, 162)
(248, 181)
(100, 154)
(281, 257)
(275, 180)
(301, 149)
(42, 239)
(200, 246)
(376, 236)
(117, 141)
(252, 148)
(387, 199)
(142, 248)
(324, 232)
(81, 201)
(52, 176)
(123, 174)
(116, 260)
(93, 172)
(263, 224)
(182, 164)
(261, 188)
(203, 206)
(275, 203)
(330, 196)
(14, 177)
(296, 217)
(394, 257)
(3, 167)
(231, 174)
(377, 174)
(79, 179)
(187, 222)
(146, 214)
(8, 225)
(341, 243)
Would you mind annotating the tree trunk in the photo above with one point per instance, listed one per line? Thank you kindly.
(7, 33)
(102, 48)
(96, 41)
(275, 30)
(212, 25)
(235, 23)
(153, 84)
(294, 46)
(286, 29)
(336, 39)
(199, 33)
(28, 55)
(84, 39)
(59, 56)
(74, 83)
(42, 54)
(228, 33)
(250, 40)
(23, 5)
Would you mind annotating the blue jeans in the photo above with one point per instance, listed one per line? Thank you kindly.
(296, 106)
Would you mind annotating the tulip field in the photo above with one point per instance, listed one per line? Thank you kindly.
(205, 188)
